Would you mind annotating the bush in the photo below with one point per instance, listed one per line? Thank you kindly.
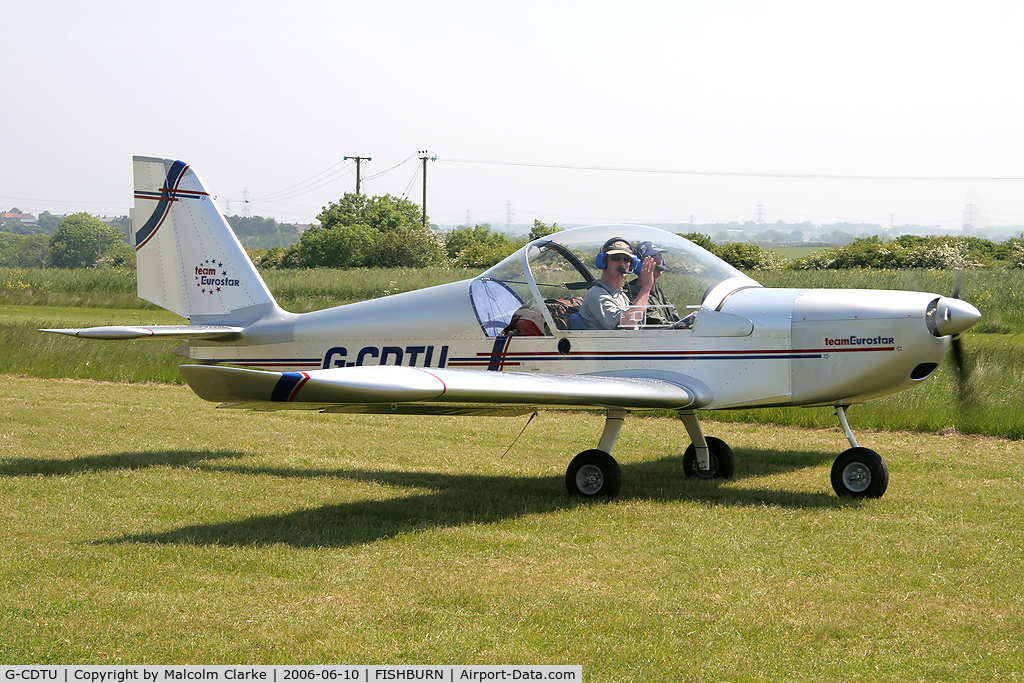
(366, 231)
(80, 239)
(946, 255)
(908, 251)
(479, 246)
(701, 240)
(1017, 255)
(749, 256)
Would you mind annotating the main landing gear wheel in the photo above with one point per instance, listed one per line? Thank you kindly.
(860, 473)
(723, 462)
(593, 474)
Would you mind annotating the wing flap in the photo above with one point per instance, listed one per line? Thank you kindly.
(390, 384)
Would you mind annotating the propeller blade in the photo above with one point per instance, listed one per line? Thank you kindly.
(963, 374)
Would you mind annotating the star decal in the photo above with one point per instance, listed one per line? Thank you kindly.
(211, 263)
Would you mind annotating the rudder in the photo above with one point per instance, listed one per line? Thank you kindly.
(188, 259)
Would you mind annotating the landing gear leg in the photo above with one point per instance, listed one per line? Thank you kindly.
(705, 457)
(595, 473)
(858, 472)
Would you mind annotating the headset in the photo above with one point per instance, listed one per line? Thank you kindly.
(602, 259)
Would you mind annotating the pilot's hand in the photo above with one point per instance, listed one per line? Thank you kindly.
(647, 277)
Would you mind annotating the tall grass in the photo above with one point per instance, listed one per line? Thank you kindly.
(301, 290)
(26, 351)
(998, 293)
(298, 290)
(88, 287)
(934, 406)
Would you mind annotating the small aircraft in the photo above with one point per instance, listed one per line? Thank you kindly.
(502, 344)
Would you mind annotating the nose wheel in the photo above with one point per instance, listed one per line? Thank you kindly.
(858, 472)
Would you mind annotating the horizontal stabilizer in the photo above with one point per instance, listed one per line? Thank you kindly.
(386, 384)
(165, 331)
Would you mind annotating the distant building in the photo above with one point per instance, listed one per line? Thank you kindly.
(19, 217)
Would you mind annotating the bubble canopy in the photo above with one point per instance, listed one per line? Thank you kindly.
(562, 266)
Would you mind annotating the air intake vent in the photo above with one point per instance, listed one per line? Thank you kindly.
(923, 370)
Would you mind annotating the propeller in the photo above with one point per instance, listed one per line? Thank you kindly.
(957, 346)
(953, 316)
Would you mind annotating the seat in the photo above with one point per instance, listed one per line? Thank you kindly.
(576, 322)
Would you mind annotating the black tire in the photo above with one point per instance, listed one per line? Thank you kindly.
(723, 462)
(860, 473)
(593, 474)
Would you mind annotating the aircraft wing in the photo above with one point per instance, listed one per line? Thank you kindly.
(403, 389)
(139, 332)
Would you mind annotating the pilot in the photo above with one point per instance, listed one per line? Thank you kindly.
(660, 311)
(606, 306)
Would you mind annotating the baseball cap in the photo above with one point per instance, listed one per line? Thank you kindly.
(617, 245)
(649, 249)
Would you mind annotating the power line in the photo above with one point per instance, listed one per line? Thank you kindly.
(735, 174)
(304, 187)
(388, 170)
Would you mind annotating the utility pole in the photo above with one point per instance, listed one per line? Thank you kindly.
(358, 161)
(425, 155)
(760, 213)
(508, 216)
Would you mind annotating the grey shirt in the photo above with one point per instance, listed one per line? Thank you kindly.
(603, 306)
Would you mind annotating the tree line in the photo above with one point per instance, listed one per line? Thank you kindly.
(389, 232)
(84, 241)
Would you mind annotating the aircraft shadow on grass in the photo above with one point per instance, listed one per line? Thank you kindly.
(51, 467)
(451, 500)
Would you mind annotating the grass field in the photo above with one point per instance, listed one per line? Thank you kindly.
(140, 525)
(795, 253)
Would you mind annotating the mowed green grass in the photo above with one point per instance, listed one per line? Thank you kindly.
(141, 525)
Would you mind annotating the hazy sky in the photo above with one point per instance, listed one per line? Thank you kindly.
(270, 96)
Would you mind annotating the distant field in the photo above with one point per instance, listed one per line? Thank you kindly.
(794, 253)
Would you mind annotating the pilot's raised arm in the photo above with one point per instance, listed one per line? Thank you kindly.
(660, 311)
(606, 306)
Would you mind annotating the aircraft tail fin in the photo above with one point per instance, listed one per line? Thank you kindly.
(189, 260)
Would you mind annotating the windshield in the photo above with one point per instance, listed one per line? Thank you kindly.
(562, 267)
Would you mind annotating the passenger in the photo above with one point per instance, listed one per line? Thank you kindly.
(606, 306)
(660, 311)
